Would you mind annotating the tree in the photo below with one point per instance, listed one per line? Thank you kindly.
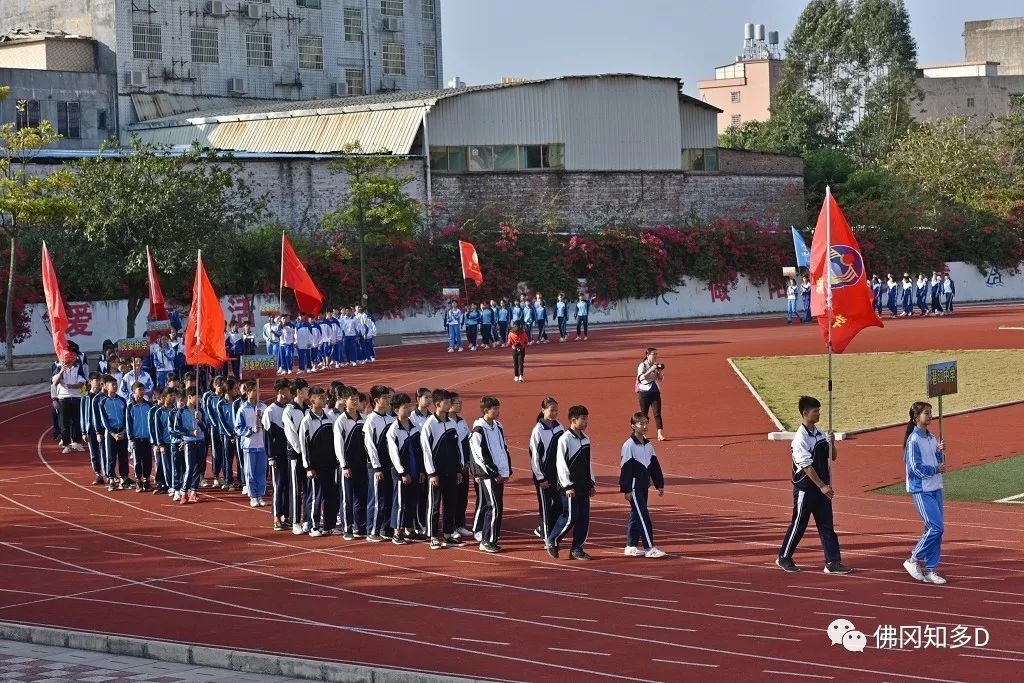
(253, 265)
(25, 199)
(175, 203)
(375, 205)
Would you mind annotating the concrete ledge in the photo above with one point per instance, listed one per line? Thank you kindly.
(222, 658)
(388, 340)
(23, 376)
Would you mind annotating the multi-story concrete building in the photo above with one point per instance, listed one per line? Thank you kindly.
(996, 40)
(175, 56)
(743, 90)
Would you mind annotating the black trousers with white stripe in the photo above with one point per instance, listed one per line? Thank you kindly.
(298, 491)
(492, 496)
(444, 495)
(549, 504)
(807, 503)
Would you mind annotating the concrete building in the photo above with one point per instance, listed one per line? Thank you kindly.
(173, 56)
(575, 147)
(743, 89)
(996, 40)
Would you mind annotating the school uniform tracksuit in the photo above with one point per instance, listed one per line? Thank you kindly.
(486, 325)
(922, 458)
(90, 420)
(187, 422)
(562, 316)
(113, 417)
(379, 493)
(442, 458)
(540, 315)
(317, 441)
(472, 322)
(908, 297)
(543, 443)
(137, 426)
(638, 469)
(575, 473)
(277, 453)
(286, 350)
(406, 460)
(251, 440)
(420, 517)
(502, 319)
(922, 295)
(350, 450)
(490, 461)
(890, 297)
(160, 436)
(453, 324)
(582, 317)
(298, 504)
(948, 292)
(811, 449)
(304, 342)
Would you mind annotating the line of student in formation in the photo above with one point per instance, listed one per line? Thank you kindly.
(932, 296)
(384, 467)
(335, 338)
(487, 325)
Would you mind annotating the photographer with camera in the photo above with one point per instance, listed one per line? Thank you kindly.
(649, 375)
(518, 340)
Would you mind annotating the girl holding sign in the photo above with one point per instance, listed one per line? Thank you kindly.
(925, 461)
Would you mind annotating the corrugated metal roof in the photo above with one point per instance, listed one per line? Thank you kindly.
(149, 106)
(391, 131)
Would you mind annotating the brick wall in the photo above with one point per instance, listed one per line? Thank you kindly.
(758, 163)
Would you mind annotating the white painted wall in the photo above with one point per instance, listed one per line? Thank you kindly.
(106, 319)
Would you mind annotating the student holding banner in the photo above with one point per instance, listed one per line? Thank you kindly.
(136, 374)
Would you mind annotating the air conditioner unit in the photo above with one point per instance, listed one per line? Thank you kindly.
(136, 79)
(253, 11)
(339, 89)
(392, 23)
(237, 86)
(216, 8)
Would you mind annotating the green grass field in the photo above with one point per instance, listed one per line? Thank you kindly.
(988, 482)
(874, 389)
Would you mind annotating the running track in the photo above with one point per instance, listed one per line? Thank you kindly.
(215, 574)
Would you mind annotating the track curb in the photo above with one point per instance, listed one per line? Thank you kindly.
(220, 658)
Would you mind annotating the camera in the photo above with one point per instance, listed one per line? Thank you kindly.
(660, 366)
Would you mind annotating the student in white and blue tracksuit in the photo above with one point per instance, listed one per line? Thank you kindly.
(543, 442)
(577, 484)
(562, 317)
(948, 292)
(380, 486)
(582, 317)
(876, 293)
(540, 315)
(891, 290)
(922, 293)
(907, 292)
(791, 291)
(638, 469)
(453, 325)
(493, 467)
(286, 350)
(925, 461)
(248, 426)
(272, 336)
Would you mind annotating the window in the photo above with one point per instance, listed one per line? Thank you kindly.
(353, 23)
(700, 159)
(394, 59)
(392, 8)
(354, 79)
(734, 96)
(311, 53)
(308, 4)
(146, 41)
(505, 158)
(101, 119)
(970, 102)
(481, 158)
(69, 119)
(28, 114)
(735, 120)
(430, 61)
(428, 10)
(259, 50)
(478, 158)
(737, 70)
(205, 48)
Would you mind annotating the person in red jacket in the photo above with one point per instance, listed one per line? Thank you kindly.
(518, 340)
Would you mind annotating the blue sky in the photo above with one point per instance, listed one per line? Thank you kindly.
(487, 39)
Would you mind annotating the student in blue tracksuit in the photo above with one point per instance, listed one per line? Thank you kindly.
(582, 315)
(406, 461)
(576, 483)
(350, 451)
(638, 470)
(188, 426)
(272, 336)
(501, 316)
(876, 293)
(251, 440)
(443, 462)
(925, 461)
(350, 337)
(528, 320)
(91, 426)
(234, 343)
(543, 443)
(540, 315)
(936, 293)
(516, 313)
(318, 458)
(177, 448)
(492, 467)
(160, 437)
(907, 291)
(277, 452)
(231, 453)
(453, 325)
(286, 355)
(562, 317)
(922, 294)
(486, 325)
(369, 335)
(207, 401)
(380, 486)
(137, 426)
(472, 324)
(791, 291)
(304, 343)
(113, 413)
(948, 292)
(891, 292)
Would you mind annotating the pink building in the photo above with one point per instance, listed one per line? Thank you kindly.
(743, 90)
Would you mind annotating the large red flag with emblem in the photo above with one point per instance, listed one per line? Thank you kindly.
(470, 263)
(55, 306)
(204, 335)
(157, 306)
(843, 302)
(294, 276)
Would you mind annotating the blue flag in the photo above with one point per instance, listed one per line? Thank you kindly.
(803, 254)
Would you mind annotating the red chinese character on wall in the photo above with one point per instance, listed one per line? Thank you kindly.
(719, 292)
(79, 318)
(238, 307)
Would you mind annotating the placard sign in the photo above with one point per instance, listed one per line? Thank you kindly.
(450, 291)
(270, 310)
(158, 328)
(133, 348)
(940, 379)
(259, 366)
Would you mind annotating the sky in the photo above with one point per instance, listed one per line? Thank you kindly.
(484, 40)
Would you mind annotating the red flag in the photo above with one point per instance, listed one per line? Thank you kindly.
(204, 335)
(470, 263)
(157, 309)
(294, 277)
(844, 302)
(55, 306)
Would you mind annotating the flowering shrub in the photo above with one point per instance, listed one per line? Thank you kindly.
(27, 289)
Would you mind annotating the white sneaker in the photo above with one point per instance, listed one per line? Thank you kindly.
(262, 503)
(77, 447)
(177, 496)
(451, 350)
(316, 533)
(654, 552)
(245, 490)
(464, 532)
(253, 502)
(460, 349)
(479, 536)
(913, 569)
(633, 551)
(931, 577)
(297, 529)
(65, 450)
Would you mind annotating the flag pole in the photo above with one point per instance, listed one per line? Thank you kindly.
(828, 306)
(280, 288)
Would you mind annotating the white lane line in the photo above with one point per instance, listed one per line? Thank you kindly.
(1004, 602)
(239, 588)
(551, 616)
(32, 495)
(398, 603)
(791, 673)
(59, 547)
(30, 526)
(136, 533)
(677, 661)
(911, 595)
(172, 581)
(485, 642)
(581, 652)
(473, 562)
(816, 588)
(668, 628)
(850, 616)
(738, 583)
(200, 540)
(71, 498)
(752, 635)
(121, 552)
(763, 609)
(1004, 659)
(407, 578)
(635, 597)
(314, 595)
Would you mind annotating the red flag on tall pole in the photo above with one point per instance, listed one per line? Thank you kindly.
(204, 335)
(294, 276)
(157, 307)
(470, 263)
(55, 306)
(841, 301)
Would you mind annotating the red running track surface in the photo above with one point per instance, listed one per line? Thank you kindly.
(78, 557)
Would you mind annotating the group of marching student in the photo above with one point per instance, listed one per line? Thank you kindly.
(487, 325)
(339, 337)
(932, 296)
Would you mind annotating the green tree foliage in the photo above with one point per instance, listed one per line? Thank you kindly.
(25, 200)
(175, 203)
(375, 206)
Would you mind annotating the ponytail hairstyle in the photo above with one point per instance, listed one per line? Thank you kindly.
(544, 405)
(649, 351)
(915, 411)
